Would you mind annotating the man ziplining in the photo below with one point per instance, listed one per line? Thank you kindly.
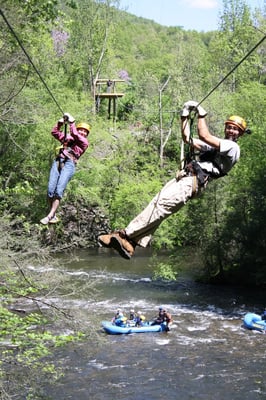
(216, 158)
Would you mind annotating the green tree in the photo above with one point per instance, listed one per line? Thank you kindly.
(235, 38)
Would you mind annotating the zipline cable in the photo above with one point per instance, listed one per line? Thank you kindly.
(233, 69)
(28, 57)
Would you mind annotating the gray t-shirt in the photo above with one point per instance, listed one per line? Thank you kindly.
(224, 159)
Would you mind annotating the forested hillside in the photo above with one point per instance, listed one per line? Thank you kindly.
(63, 49)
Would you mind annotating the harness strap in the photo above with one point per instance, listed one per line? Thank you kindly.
(195, 185)
(60, 162)
(210, 156)
(202, 176)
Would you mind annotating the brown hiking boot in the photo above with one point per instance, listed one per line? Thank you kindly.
(122, 244)
(105, 240)
(119, 241)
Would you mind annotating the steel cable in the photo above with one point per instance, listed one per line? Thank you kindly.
(31, 62)
(232, 70)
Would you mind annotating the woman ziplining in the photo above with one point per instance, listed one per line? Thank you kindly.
(73, 146)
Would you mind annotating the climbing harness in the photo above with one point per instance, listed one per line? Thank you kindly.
(190, 165)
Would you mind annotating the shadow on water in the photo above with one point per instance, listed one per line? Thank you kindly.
(206, 355)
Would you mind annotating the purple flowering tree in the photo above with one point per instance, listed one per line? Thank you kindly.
(123, 74)
(60, 39)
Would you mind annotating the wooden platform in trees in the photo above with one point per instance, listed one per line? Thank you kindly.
(106, 89)
(109, 95)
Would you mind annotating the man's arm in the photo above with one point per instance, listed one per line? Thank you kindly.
(185, 130)
(203, 130)
(205, 135)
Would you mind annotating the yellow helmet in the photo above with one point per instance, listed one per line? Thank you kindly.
(237, 121)
(84, 125)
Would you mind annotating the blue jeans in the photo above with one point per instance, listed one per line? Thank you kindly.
(59, 178)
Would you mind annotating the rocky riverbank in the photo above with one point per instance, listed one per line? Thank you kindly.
(79, 227)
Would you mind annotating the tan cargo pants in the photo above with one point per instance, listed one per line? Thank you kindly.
(168, 201)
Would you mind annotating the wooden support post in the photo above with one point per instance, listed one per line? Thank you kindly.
(114, 109)
(109, 107)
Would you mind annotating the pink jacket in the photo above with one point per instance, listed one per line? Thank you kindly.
(74, 145)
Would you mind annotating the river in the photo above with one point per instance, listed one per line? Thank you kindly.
(206, 355)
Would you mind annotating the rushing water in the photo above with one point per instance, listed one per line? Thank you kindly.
(206, 355)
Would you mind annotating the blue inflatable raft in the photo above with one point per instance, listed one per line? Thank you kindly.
(113, 329)
(254, 321)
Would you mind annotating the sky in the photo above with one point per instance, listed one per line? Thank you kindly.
(199, 15)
